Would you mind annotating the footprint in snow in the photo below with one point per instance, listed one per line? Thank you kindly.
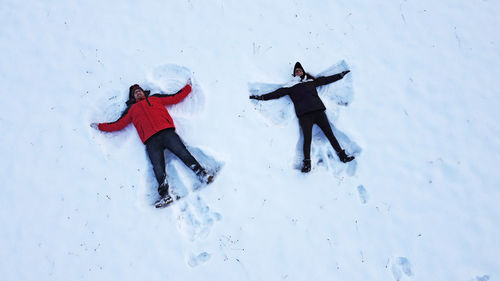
(195, 260)
(363, 194)
(194, 219)
(481, 278)
(401, 267)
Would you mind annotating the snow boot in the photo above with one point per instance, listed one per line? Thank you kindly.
(343, 157)
(306, 166)
(203, 176)
(165, 198)
(163, 189)
(164, 201)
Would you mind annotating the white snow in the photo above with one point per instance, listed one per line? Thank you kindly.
(420, 202)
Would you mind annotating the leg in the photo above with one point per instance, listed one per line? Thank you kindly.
(176, 146)
(157, 158)
(324, 125)
(174, 143)
(306, 123)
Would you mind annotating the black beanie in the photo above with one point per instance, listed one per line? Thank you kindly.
(132, 90)
(297, 65)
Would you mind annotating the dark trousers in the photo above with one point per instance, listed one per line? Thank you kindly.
(168, 139)
(319, 118)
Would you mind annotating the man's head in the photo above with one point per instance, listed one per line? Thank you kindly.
(136, 93)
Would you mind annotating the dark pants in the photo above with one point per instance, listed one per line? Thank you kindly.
(319, 118)
(155, 146)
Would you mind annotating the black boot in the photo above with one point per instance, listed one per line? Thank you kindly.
(343, 157)
(203, 176)
(306, 166)
(165, 198)
(163, 189)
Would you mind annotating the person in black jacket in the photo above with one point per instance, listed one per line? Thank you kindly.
(310, 110)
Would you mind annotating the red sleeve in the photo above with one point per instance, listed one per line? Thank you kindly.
(117, 125)
(175, 98)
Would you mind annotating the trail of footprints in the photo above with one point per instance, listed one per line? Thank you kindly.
(195, 221)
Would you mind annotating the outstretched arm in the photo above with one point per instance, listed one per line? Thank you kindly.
(320, 81)
(119, 124)
(272, 95)
(177, 97)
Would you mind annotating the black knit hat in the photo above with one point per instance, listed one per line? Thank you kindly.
(297, 65)
(132, 90)
(131, 98)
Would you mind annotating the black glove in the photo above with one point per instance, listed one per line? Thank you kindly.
(345, 72)
(255, 97)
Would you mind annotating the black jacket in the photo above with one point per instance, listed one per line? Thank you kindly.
(304, 95)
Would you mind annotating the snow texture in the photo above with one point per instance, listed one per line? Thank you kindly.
(419, 110)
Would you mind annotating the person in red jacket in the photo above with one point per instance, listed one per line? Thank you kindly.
(157, 131)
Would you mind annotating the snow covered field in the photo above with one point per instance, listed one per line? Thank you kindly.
(419, 109)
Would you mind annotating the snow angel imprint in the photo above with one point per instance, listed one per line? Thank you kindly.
(157, 131)
(309, 109)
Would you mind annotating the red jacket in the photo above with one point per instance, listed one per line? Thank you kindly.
(149, 115)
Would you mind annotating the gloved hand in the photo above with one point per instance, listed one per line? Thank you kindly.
(94, 126)
(255, 97)
(189, 82)
(345, 72)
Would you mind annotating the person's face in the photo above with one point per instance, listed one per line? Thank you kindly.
(138, 94)
(298, 72)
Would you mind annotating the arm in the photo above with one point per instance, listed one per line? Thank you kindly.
(119, 124)
(320, 81)
(272, 95)
(175, 98)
